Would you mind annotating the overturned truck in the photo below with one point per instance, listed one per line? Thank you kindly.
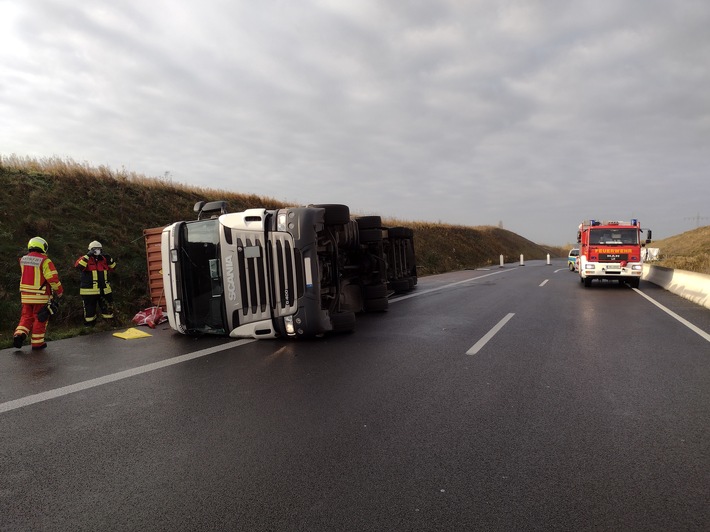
(294, 272)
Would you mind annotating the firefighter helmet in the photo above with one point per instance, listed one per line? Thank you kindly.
(38, 242)
(95, 244)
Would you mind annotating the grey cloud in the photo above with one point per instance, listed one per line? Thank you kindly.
(538, 114)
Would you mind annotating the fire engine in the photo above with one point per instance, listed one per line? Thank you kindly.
(611, 250)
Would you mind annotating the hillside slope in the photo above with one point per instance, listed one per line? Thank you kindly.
(686, 251)
(71, 204)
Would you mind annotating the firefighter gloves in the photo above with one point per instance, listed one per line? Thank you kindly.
(95, 248)
(49, 310)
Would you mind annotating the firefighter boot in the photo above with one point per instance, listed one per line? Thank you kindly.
(18, 340)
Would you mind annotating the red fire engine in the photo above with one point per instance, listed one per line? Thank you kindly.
(611, 250)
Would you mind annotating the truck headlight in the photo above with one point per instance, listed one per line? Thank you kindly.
(288, 323)
(637, 267)
(281, 224)
(589, 266)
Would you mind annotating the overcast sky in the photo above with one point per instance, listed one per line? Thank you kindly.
(533, 114)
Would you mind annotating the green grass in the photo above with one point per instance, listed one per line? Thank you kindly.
(70, 204)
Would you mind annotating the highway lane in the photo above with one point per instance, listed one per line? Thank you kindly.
(587, 409)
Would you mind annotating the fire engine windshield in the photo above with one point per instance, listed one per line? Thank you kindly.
(609, 237)
(201, 275)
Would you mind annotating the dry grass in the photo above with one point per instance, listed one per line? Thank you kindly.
(699, 263)
(688, 251)
(71, 171)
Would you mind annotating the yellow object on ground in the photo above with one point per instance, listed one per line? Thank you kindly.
(131, 334)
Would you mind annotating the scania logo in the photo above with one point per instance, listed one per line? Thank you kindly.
(231, 286)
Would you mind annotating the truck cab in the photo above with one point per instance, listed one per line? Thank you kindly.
(611, 250)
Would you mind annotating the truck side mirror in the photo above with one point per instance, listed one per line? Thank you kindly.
(579, 237)
(648, 236)
(201, 207)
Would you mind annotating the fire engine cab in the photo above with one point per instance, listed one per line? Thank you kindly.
(611, 250)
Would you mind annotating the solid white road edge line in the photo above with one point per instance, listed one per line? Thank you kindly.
(490, 334)
(80, 386)
(672, 314)
(421, 293)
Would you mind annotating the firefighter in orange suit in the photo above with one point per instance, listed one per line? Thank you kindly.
(38, 282)
(94, 287)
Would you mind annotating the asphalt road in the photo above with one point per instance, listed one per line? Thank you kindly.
(509, 399)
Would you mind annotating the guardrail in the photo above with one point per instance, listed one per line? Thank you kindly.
(690, 285)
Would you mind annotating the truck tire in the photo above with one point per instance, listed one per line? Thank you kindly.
(400, 232)
(634, 283)
(587, 282)
(370, 235)
(343, 321)
(374, 291)
(379, 304)
(369, 222)
(349, 235)
(335, 214)
(400, 285)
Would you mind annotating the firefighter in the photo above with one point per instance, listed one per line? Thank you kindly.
(94, 287)
(39, 282)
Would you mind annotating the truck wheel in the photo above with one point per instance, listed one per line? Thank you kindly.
(587, 282)
(369, 222)
(370, 235)
(400, 232)
(343, 321)
(335, 214)
(379, 304)
(400, 285)
(634, 283)
(374, 291)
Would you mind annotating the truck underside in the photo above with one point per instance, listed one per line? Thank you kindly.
(295, 272)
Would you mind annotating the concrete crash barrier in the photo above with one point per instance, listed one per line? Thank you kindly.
(690, 285)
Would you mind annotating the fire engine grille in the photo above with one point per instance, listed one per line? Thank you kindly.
(258, 262)
(613, 257)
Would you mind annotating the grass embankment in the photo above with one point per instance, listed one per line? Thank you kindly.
(687, 251)
(70, 204)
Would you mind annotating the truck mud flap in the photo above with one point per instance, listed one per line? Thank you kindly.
(343, 321)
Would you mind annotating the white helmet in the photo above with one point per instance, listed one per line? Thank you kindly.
(95, 244)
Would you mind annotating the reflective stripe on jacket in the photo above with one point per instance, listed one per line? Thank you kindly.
(38, 278)
(94, 274)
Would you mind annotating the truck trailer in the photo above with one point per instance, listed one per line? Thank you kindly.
(611, 250)
(294, 272)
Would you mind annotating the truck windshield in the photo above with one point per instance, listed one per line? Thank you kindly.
(201, 273)
(614, 236)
